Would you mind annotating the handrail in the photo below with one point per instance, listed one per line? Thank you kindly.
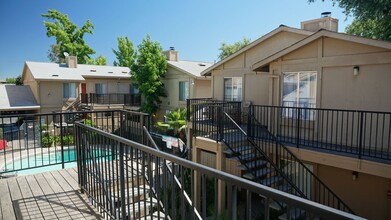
(170, 170)
(280, 172)
(302, 165)
(267, 192)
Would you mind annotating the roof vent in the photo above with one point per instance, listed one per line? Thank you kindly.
(93, 70)
(201, 64)
(55, 75)
(172, 48)
(110, 72)
(325, 14)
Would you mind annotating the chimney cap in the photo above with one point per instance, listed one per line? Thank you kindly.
(325, 14)
(172, 48)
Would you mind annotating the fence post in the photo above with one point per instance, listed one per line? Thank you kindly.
(188, 110)
(298, 128)
(61, 140)
(141, 129)
(361, 135)
(220, 122)
(122, 179)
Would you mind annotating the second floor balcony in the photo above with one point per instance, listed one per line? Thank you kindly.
(111, 98)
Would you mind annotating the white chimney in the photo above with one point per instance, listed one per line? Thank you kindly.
(71, 61)
(325, 22)
(172, 54)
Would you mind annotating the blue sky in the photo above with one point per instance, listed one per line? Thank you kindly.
(195, 28)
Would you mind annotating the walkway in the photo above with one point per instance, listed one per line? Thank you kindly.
(50, 195)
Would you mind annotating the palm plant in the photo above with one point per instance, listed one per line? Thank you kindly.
(176, 120)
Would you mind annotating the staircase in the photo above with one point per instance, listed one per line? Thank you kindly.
(265, 160)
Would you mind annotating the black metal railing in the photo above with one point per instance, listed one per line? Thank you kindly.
(46, 141)
(118, 174)
(360, 134)
(112, 98)
(298, 173)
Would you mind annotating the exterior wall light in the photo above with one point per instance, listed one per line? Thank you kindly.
(354, 175)
(356, 70)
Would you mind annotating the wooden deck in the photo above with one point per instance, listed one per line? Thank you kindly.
(50, 195)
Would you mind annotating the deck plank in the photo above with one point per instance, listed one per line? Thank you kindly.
(20, 207)
(50, 195)
(39, 196)
(28, 198)
(56, 198)
(7, 210)
(70, 198)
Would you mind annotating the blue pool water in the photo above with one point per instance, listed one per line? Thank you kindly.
(45, 162)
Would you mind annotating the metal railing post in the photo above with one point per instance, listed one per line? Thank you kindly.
(122, 179)
(61, 140)
(361, 135)
(298, 128)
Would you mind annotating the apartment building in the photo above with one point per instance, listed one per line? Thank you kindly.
(306, 109)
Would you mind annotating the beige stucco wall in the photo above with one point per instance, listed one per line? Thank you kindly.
(28, 80)
(112, 85)
(257, 87)
(367, 195)
(201, 88)
(337, 87)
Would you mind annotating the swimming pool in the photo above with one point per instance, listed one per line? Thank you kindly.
(48, 161)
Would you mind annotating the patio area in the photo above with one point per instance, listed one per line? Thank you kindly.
(49, 195)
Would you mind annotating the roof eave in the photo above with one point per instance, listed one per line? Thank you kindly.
(281, 28)
(321, 33)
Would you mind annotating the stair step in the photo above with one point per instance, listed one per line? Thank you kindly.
(271, 180)
(296, 213)
(241, 150)
(130, 197)
(253, 164)
(157, 215)
(277, 206)
(139, 209)
(286, 187)
(258, 173)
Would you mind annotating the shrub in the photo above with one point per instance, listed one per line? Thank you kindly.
(47, 141)
(66, 139)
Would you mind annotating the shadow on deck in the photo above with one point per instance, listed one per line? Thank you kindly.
(50, 195)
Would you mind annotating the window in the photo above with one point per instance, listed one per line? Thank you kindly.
(233, 89)
(69, 90)
(100, 88)
(299, 90)
(183, 90)
(133, 89)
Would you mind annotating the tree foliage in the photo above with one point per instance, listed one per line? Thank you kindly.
(228, 49)
(100, 60)
(69, 38)
(149, 66)
(54, 54)
(372, 19)
(125, 53)
(14, 80)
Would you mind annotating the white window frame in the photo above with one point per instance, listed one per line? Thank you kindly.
(103, 87)
(184, 94)
(300, 102)
(235, 83)
(69, 90)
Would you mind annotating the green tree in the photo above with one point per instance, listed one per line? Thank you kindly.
(14, 80)
(100, 60)
(372, 19)
(149, 66)
(125, 53)
(227, 50)
(10, 80)
(54, 54)
(69, 38)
